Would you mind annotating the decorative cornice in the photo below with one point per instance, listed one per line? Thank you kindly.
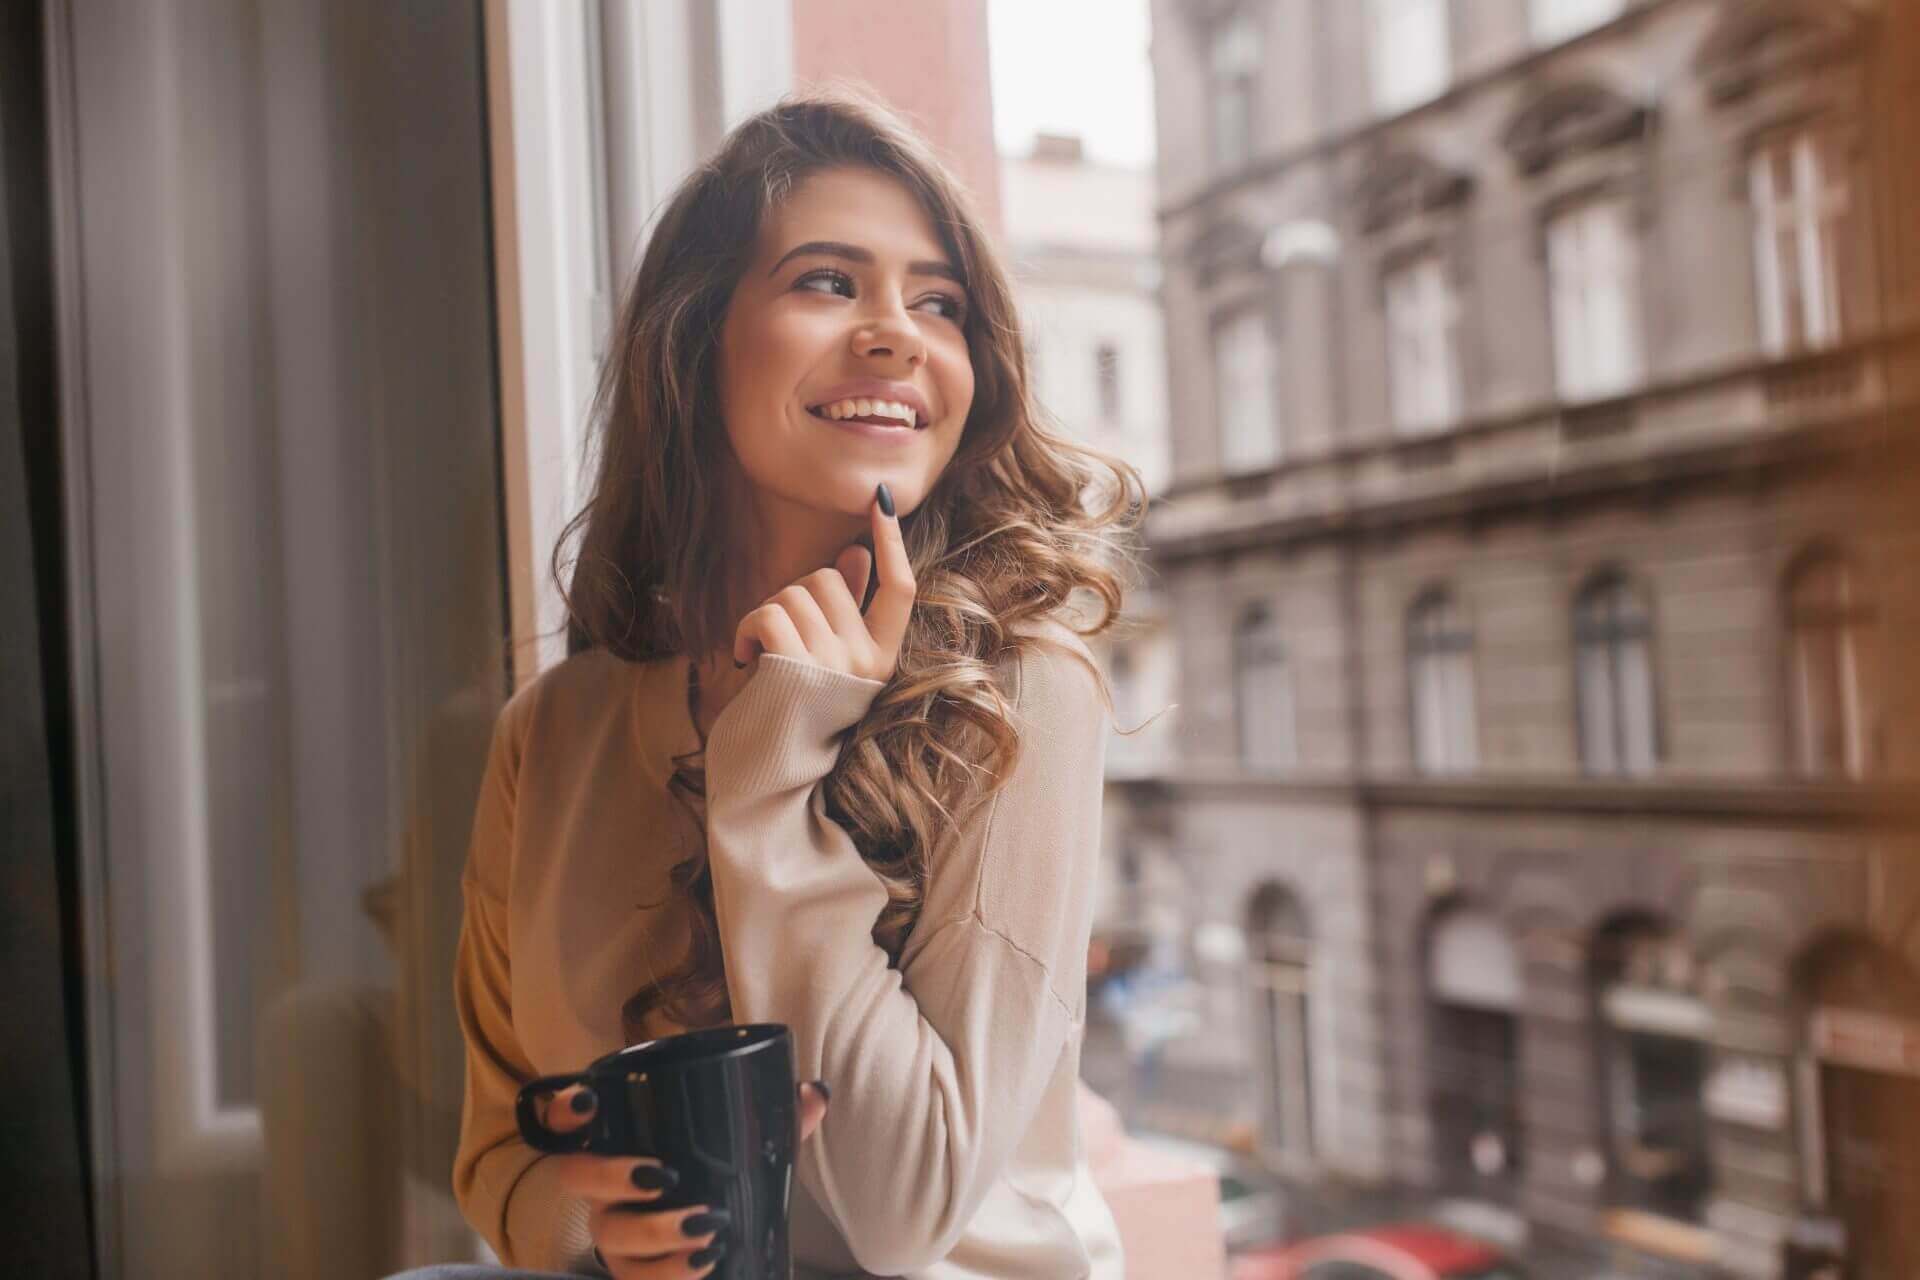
(1396, 185)
(1226, 245)
(1570, 118)
(1763, 40)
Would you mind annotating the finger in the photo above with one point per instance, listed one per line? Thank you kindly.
(639, 1233)
(569, 1109)
(611, 1179)
(813, 1109)
(841, 607)
(803, 606)
(856, 566)
(767, 629)
(893, 598)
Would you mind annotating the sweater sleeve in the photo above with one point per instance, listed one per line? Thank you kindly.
(937, 1070)
(506, 1190)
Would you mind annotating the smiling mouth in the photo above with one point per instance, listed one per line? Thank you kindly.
(875, 413)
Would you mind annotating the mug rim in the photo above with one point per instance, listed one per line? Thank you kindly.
(751, 1035)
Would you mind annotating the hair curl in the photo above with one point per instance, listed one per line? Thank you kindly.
(1016, 529)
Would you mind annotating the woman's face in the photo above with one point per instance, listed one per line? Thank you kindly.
(849, 308)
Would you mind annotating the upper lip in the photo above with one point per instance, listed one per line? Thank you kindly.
(878, 389)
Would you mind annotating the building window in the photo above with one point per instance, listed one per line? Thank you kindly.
(1409, 52)
(1653, 1031)
(1106, 375)
(1800, 200)
(1233, 62)
(1474, 986)
(1265, 689)
(1593, 269)
(1557, 20)
(1831, 625)
(1422, 372)
(1243, 387)
(1613, 643)
(1440, 672)
(1282, 971)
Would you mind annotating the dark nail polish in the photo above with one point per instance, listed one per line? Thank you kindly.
(738, 664)
(654, 1177)
(701, 1257)
(701, 1223)
(583, 1102)
(886, 499)
(825, 1092)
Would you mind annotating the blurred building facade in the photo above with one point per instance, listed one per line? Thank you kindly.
(1532, 727)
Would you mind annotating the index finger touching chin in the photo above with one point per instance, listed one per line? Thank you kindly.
(893, 598)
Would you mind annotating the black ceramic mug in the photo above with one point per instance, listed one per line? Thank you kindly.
(717, 1107)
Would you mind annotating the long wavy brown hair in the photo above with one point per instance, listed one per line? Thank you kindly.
(1022, 521)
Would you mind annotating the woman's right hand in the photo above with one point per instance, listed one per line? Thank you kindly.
(633, 1241)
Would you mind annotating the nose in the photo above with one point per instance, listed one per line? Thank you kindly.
(892, 335)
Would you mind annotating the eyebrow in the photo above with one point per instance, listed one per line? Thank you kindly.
(854, 253)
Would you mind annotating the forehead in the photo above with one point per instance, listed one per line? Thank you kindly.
(856, 206)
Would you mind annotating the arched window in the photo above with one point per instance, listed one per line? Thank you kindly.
(1281, 971)
(1613, 642)
(1473, 976)
(1440, 676)
(1266, 691)
(1830, 624)
(1652, 1035)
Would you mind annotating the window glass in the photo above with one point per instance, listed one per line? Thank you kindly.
(1593, 276)
(1409, 52)
(1422, 376)
(1243, 387)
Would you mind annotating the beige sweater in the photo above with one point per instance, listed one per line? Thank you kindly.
(952, 1148)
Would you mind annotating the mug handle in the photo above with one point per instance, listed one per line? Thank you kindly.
(526, 1111)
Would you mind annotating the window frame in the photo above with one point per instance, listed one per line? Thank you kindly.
(1577, 376)
(1612, 636)
(1393, 28)
(1855, 624)
(1458, 685)
(1817, 206)
(1260, 620)
(1232, 78)
(1442, 348)
(1254, 313)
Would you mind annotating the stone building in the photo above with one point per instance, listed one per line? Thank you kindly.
(1535, 723)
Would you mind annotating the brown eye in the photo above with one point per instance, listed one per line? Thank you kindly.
(833, 280)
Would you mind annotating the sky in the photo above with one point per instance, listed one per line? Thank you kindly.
(1072, 66)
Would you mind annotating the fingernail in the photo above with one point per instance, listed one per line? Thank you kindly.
(701, 1257)
(886, 499)
(738, 664)
(701, 1223)
(821, 1085)
(583, 1102)
(654, 1177)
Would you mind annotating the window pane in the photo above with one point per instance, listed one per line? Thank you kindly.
(1420, 354)
(1243, 383)
(1555, 20)
(1593, 273)
(1409, 52)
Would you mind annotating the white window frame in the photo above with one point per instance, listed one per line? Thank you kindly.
(1246, 409)
(1233, 70)
(1440, 686)
(1265, 730)
(1423, 372)
(1615, 690)
(1593, 283)
(1410, 52)
(1844, 625)
(1797, 237)
(1552, 21)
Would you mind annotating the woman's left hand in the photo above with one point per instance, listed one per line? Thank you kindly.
(818, 618)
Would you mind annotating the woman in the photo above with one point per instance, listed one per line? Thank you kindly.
(746, 797)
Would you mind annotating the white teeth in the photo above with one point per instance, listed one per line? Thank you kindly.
(863, 407)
